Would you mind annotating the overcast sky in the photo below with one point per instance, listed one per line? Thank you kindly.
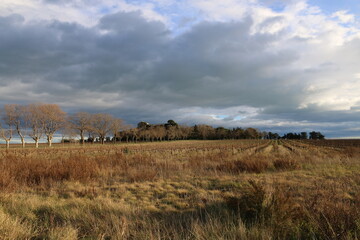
(271, 64)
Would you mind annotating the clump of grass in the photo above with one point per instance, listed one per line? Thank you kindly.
(248, 165)
(36, 171)
(250, 205)
(63, 233)
(286, 163)
(278, 212)
(14, 228)
(141, 174)
(332, 218)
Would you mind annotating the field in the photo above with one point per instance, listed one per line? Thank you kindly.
(230, 189)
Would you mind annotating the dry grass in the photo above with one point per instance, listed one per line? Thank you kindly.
(181, 190)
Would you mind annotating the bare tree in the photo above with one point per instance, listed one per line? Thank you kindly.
(117, 125)
(171, 132)
(161, 132)
(252, 133)
(15, 115)
(33, 118)
(7, 131)
(53, 119)
(68, 133)
(102, 125)
(184, 132)
(81, 122)
(125, 132)
(158, 132)
(135, 134)
(44, 119)
(204, 131)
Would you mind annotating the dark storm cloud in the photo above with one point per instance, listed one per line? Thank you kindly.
(222, 64)
(136, 69)
(81, 57)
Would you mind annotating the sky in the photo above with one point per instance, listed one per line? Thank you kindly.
(276, 65)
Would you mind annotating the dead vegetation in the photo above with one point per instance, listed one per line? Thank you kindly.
(247, 189)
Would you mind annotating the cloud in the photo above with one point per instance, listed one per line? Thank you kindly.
(344, 17)
(84, 12)
(245, 64)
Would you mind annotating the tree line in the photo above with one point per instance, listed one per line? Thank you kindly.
(173, 131)
(299, 136)
(44, 120)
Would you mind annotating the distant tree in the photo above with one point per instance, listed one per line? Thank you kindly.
(171, 123)
(271, 135)
(316, 135)
(161, 133)
(237, 133)
(292, 136)
(68, 134)
(205, 131)
(143, 133)
(53, 118)
(81, 123)
(116, 126)
(195, 132)
(6, 126)
(102, 125)
(303, 135)
(134, 133)
(124, 133)
(158, 132)
(222, 133)
(16, 116)
(33, 118)
(184, 132)
(171, 132)
(143, 125)
(252, 133)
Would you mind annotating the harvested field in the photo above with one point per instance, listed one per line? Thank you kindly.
(229, 189)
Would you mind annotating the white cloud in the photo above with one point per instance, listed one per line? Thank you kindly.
(344, 16)
(357, 75)
(222, 10)
(83, 12)
(35, 10)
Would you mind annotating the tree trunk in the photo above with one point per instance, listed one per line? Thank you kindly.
(22, 139)
(36, 143)
(7, 144)
(49, 139)
(82, 139)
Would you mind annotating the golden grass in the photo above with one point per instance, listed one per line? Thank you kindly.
(181, 190)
